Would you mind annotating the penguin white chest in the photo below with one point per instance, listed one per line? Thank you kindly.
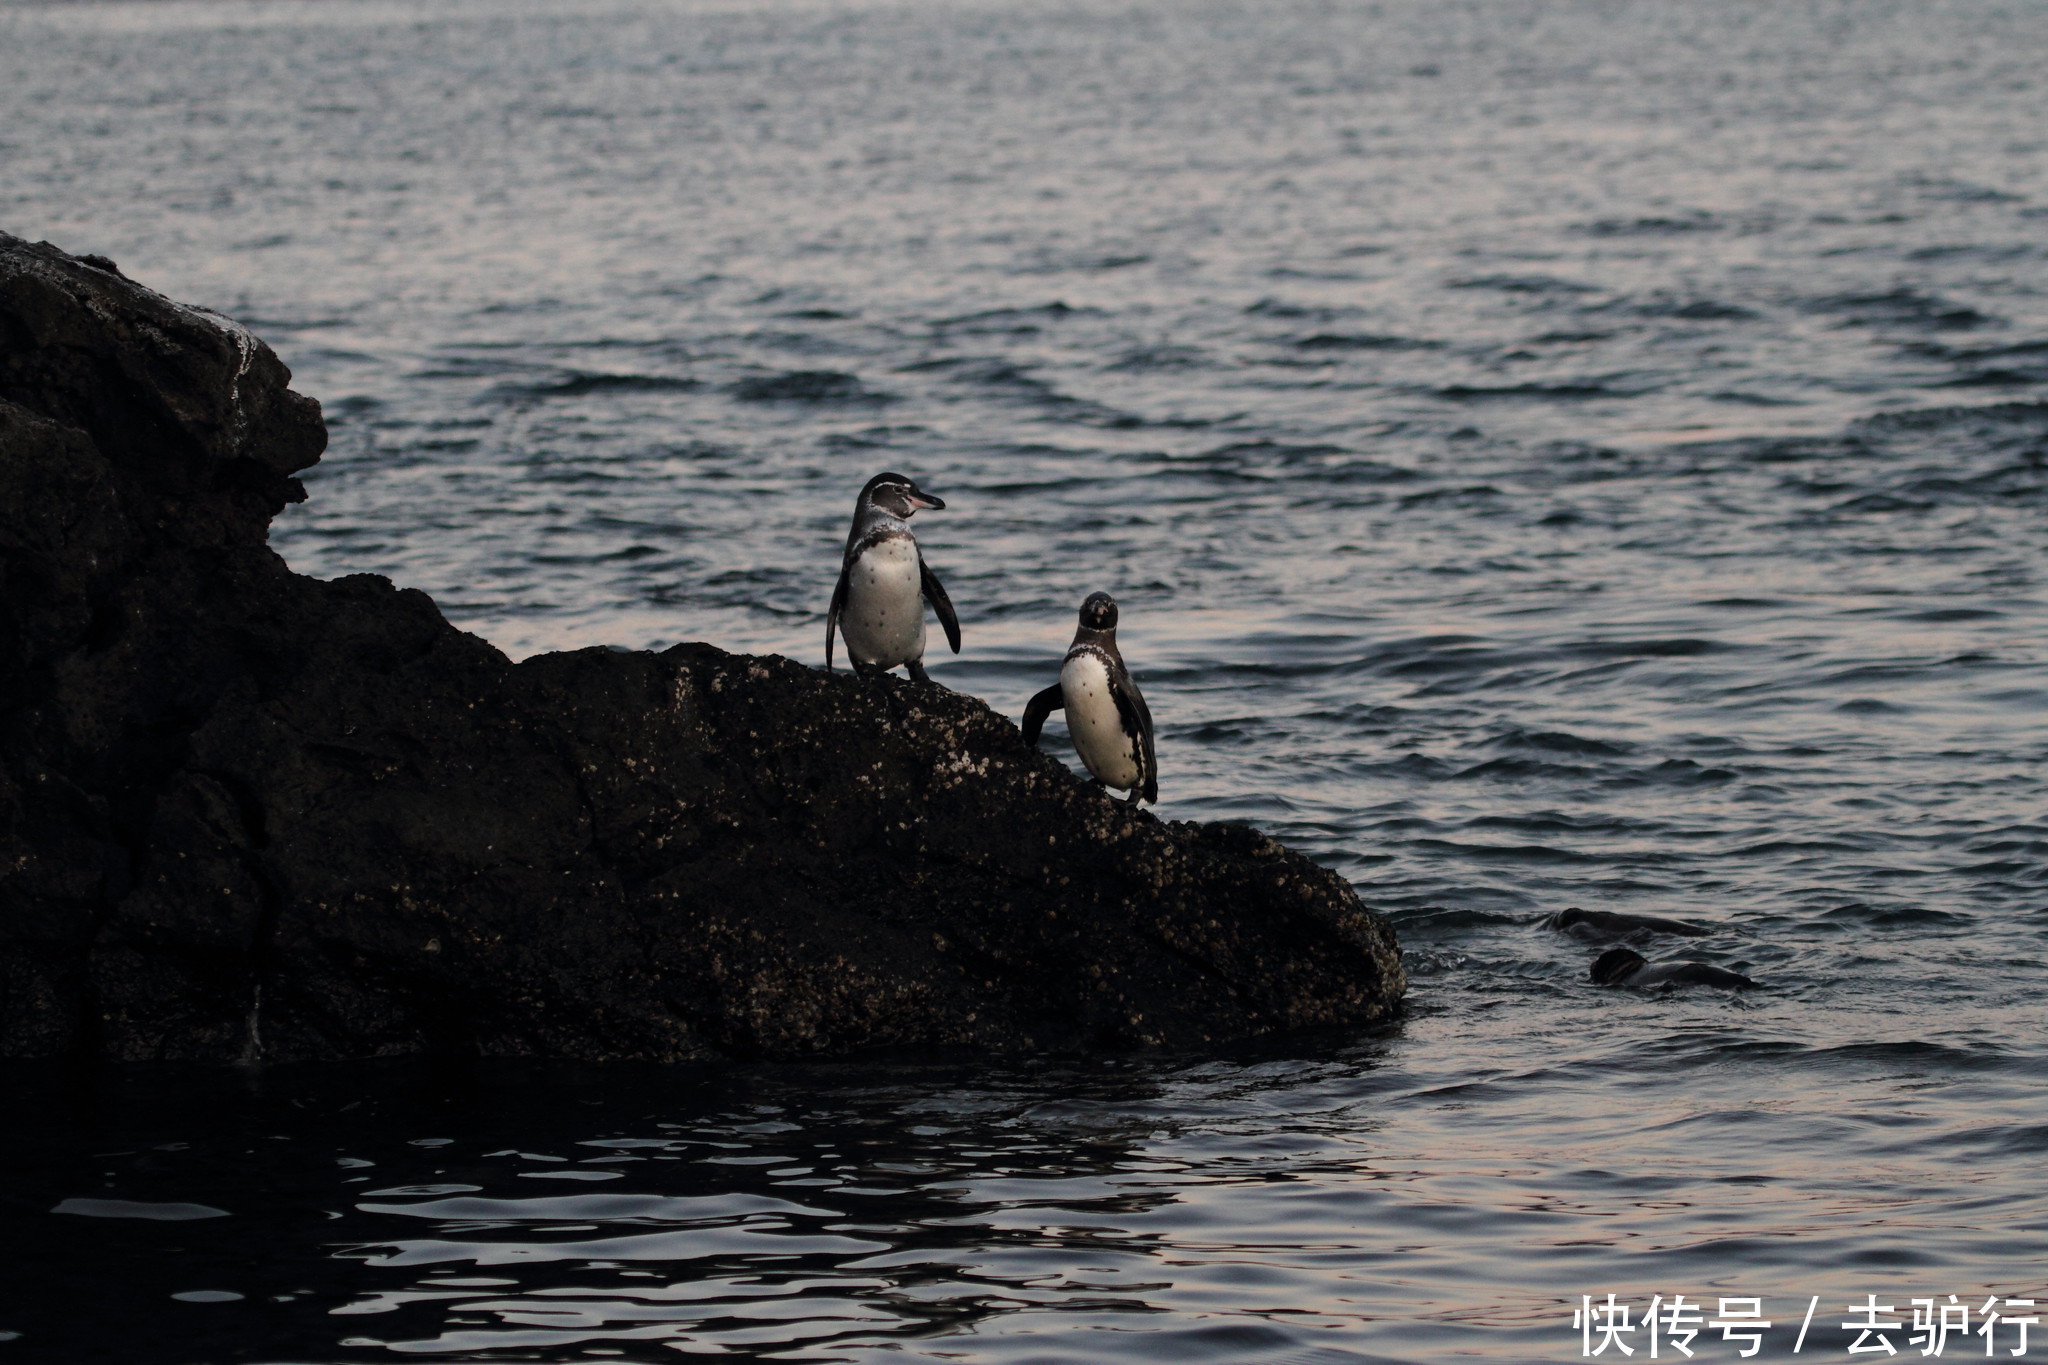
(1095, 723)
(884, 621)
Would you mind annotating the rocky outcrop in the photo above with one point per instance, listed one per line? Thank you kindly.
(245, 813)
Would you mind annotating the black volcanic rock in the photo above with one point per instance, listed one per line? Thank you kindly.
(245, 813)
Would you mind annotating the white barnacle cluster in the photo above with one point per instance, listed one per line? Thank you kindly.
(960, 769)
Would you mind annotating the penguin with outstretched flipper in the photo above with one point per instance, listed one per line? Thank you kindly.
(1106, 714)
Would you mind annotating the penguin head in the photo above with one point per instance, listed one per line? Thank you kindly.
(1098, 612)
(1615, 965)
(896, 495)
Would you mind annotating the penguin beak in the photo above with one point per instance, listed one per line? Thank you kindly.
(918, 499)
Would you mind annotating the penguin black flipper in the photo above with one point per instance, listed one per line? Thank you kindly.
(1053, 699)
(1137, 718)
(941, 604)
(836, 610)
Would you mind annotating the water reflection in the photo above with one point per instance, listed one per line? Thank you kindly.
(1329, 1197)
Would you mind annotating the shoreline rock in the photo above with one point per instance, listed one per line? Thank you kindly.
(246, 814)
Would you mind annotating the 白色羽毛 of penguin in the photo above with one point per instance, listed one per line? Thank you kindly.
(1106, 714)
(884, 583)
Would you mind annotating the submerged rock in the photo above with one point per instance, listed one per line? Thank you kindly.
(1627, 967)
(246, 813)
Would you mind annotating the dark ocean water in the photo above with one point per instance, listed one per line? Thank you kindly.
(1548, 453)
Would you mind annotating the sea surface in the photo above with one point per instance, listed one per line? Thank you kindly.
(1548, 453)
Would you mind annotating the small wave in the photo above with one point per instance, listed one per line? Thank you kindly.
(1557, 742)
(2036, 847)
(1952, 612)
(1880, 503)
(1753, 400)
(1568, 338)
(599, 1208)
(1683, 309)
(1277, 308)
(1554, 823)
(1659, 226)
(803, 343)
(1539, 854)
(1560, 391)
(1148, 359)
(2000, 377)
(349, 408)
(1009, 321)
(1881, 916)
(2006, 1139)
(1941, 187)
(579, 383)
(1918, 1052)
(1244, 730)
(1522, 768)
(1264, 452)
(1408, 765)
(1053, 263)
(696, 1242)
(1973, 251)
(1523, 284)
(1936, 350)
(1437, 497)
(805, 386)
(1326, 1355)
(996, 373)
(1362, 341)
(2030, 417)
(1901, 307)
(1425, 918)
(471, 367)
(1683, 648)
(1683, 772)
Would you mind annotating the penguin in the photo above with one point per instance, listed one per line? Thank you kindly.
(1626, 967)
(882, 578)
(1106, 715)
(1598, 924)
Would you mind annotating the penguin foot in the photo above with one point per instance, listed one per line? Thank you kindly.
(916, 670)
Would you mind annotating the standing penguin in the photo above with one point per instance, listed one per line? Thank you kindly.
(884, 584)
(1106, 714)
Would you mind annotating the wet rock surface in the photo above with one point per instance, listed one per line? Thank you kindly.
(250, 814)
